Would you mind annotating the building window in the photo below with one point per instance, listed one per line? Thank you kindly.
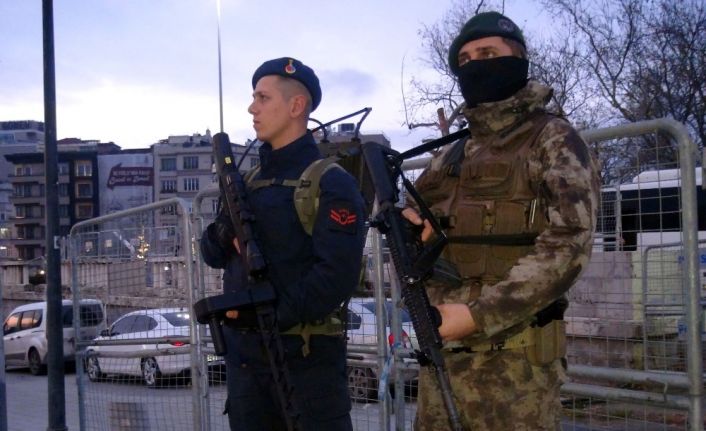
(63, 189)
(84, 211)
(23, 190)
(21, 171)
(168, 164)
(84, 168)
(29, 232)
(88, 246)
(26, 253)
(191, 184)
(191, 162)
(84, 190)
(63, 210)
(169, 186)
(36, 211)
(20, 211)
(167, 232)
(168, 210)
(63, 168)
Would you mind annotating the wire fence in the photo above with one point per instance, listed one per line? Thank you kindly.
(634, 326)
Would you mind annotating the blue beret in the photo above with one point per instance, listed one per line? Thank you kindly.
(291, 68)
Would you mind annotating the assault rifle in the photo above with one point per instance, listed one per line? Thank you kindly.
(413, 261)
(255, 300)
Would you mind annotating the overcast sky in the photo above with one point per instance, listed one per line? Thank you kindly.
(136, 71)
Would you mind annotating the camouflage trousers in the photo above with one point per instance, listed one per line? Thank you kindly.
(498, 390)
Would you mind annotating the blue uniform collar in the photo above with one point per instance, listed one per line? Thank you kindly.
(301, 151)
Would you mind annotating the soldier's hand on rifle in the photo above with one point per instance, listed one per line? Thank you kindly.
(222, 231)
(232, 314)
(456, 321)
(414, 218)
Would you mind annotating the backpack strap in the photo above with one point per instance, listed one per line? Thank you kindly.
(306, 188)
(307, 191)
(252, 184)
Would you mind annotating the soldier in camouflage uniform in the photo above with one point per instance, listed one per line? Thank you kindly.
(518, 204)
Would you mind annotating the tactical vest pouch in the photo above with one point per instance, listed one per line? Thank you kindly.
(549, 343)
(435, 186)
(469, 221)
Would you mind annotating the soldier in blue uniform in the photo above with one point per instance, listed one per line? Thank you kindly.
(313, 274)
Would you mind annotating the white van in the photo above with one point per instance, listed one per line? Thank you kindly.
(25, 337)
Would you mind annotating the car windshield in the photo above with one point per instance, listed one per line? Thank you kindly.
(178, 318)
(91, 315)
(404, 315)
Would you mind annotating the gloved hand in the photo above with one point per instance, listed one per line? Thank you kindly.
(222, 232)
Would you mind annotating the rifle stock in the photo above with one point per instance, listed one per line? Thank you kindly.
(413, 263)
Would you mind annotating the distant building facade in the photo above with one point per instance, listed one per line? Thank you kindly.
(78, 192)
(183, 166)
(78, 197)
(24, 136)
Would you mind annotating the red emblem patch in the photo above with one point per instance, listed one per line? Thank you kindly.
(342, 216)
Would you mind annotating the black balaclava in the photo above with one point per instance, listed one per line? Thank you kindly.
(493, 79)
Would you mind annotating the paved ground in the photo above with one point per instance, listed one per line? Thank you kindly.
(27, 401)
(128, 405)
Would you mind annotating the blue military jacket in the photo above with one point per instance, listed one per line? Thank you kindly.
(313, 274)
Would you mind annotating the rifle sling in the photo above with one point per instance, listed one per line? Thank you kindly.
(436, 143)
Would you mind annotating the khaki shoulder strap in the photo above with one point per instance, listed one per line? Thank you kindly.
(252, 184)
(306, 193)
(306, 188)
(249, 176)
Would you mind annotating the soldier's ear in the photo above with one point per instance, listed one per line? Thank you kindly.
(297, 105)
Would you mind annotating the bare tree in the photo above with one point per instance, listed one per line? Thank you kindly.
(647, 59)
(442, 91)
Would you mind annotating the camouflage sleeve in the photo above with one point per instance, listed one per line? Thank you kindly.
(567, 178)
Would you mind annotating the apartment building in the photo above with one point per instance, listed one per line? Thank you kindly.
(183, 167)
(15, 137)
(78, 197)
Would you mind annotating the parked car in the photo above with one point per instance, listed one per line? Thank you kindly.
(152, 361)
(25, 337)
(363, 370)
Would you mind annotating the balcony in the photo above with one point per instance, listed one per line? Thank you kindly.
(26, 241)
(28, 219)
(18, 200)
(34, 178)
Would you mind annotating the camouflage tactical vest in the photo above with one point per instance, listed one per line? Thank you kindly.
(491, 209)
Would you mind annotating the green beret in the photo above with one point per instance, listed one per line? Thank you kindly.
(484, 24)
(291, 68)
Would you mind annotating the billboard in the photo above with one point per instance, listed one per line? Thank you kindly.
(125, 181)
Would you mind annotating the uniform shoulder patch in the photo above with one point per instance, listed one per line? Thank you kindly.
(342, 217)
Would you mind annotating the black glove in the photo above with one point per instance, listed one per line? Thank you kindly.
(222, 232)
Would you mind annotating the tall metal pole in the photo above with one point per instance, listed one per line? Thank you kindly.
(3, 397)
(55, 345)
(220, 77)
